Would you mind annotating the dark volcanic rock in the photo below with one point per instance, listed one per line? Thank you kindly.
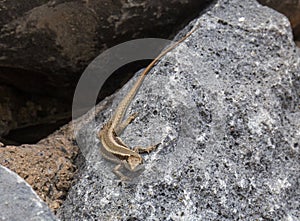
(26, 118)
(48, 43)
(45, 46)
(18, 201)
(225, 106)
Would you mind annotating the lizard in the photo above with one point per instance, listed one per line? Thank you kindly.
(113, 148)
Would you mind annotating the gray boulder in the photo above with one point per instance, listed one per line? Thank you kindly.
(225, 106)
(19, 201)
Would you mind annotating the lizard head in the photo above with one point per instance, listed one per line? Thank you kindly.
(134, 161)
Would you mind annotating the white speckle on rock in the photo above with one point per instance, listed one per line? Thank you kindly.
(279, 185)
(241, 19)
(260, 119)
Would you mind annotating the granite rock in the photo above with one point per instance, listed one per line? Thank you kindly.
(225, 107)
(290, 8)
(19, 201)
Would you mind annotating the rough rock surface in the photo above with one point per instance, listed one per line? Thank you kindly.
(225, 106)
(26, 118)
(290, 8)
(19, 201)
(52, 41)
(47, 166)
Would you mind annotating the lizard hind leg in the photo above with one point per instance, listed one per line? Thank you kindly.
(145, 149)
(120, 128)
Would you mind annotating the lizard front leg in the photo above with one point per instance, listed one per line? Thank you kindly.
(114, 159)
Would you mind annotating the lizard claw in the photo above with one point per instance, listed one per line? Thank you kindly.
(132, 117)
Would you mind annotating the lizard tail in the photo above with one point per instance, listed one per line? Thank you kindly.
(170, 48)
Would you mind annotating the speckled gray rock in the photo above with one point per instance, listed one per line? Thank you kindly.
(225, 106)
(19, 201)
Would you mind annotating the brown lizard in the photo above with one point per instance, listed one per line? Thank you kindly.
(113, 148)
